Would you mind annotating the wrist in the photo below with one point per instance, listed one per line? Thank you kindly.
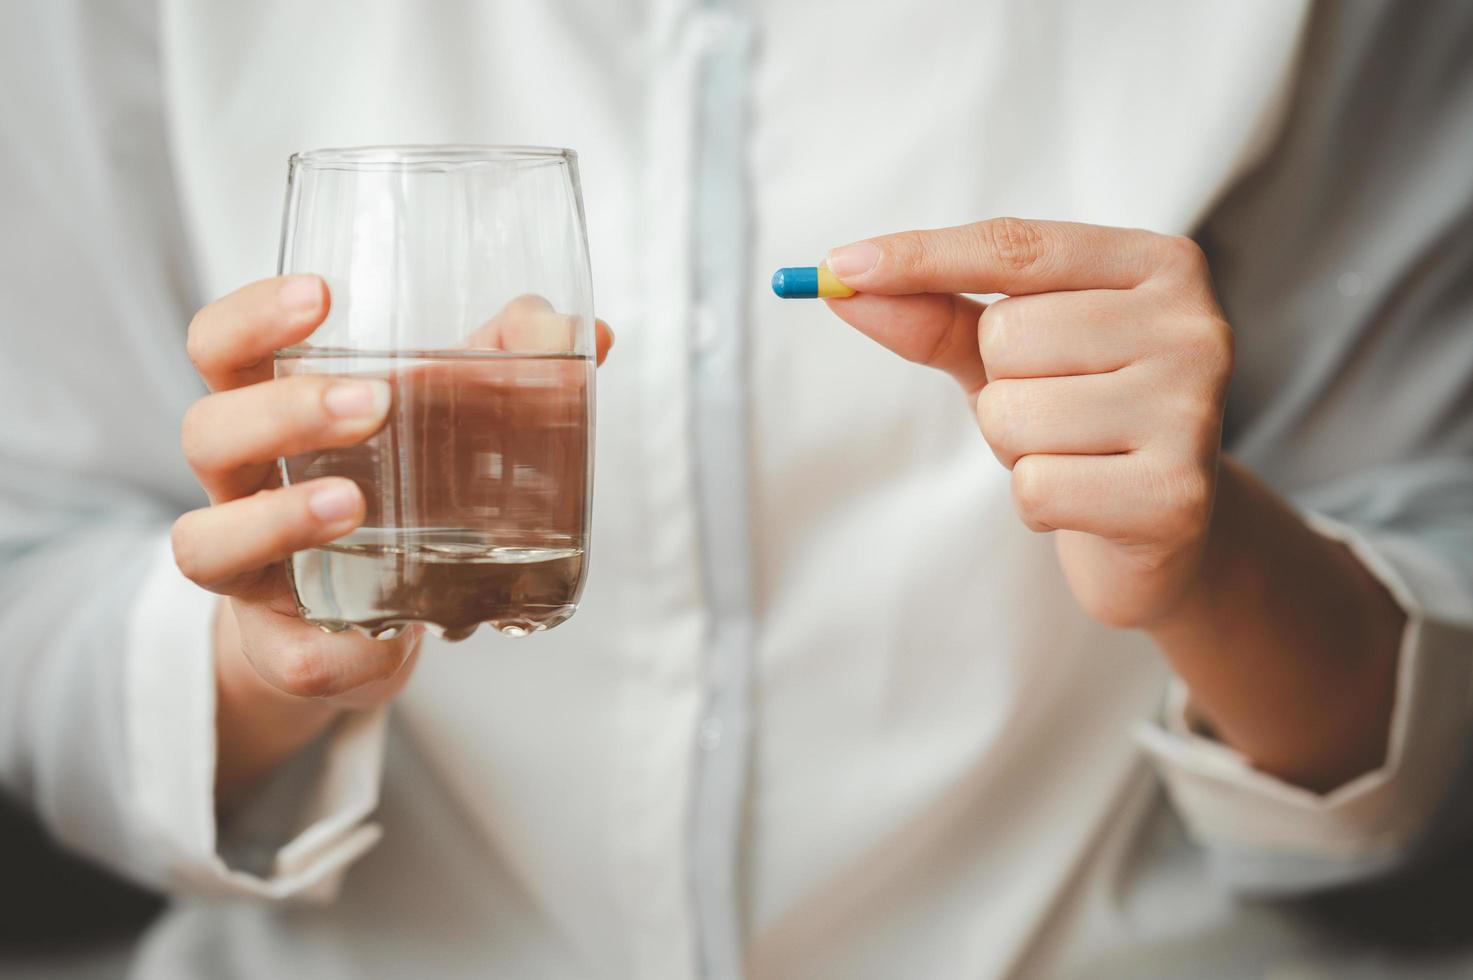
(1286, 642)
(257, 726)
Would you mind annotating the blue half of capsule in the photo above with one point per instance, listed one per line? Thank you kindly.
(796, 283)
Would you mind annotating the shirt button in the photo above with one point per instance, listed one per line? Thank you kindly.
(709, 737)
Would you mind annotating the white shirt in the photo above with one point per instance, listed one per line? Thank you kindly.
(827, 709)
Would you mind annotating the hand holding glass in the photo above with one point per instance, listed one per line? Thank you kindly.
(459, 276)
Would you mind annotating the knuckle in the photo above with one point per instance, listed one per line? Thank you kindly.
(288, 515)
(995, 331)
(303, 398)
(911, 254)
(1030, 493)
(997, 416)
(194, 439)
(1016, 244)
(1207, 347)
(299, 669)
(1210, 338)
(190, 436)
(1223, 346)
(1185, 494)
(1198, 415)
(527, 303)
(298, 401)
(1183, 254)
(195, 345)
(185, 545)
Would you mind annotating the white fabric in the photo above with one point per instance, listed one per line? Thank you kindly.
(938, 737)
(1230, 805)
(170, 711)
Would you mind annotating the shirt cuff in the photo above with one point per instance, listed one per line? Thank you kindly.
(1371, 821)
(169, 705)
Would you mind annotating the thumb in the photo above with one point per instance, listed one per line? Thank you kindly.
(938, 330)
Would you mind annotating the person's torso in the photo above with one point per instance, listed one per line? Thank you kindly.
(879, 702)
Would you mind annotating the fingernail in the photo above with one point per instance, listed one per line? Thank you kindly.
(853, 260)
(357, 399)
(300, 294)
(334, 503)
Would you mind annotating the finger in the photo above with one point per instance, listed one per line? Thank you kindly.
(529, 324)
(939, 331)
(231, 438)
(225, 548)
(301, 660)
(1002, 255)
(1057, 334)
(1077, 493)
(1130, 497)
(603, 340)
(231, 340)
(1097, 414)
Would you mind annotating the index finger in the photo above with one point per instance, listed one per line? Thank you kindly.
(232, 339)
(1001, 255)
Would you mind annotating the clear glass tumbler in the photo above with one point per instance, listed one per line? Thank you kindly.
(458, 274)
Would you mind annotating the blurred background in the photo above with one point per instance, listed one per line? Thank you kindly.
(61, 916)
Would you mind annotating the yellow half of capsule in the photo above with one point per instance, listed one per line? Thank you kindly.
(829, 286)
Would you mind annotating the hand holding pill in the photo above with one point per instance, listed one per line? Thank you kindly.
(1099, 381)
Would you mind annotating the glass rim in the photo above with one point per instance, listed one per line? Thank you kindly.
(426, 155)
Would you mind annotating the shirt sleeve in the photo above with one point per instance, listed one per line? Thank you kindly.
(107, 729)
(1345, 265)
(1263, 834)
(299, 832)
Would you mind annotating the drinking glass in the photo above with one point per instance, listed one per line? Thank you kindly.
(460, 276)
